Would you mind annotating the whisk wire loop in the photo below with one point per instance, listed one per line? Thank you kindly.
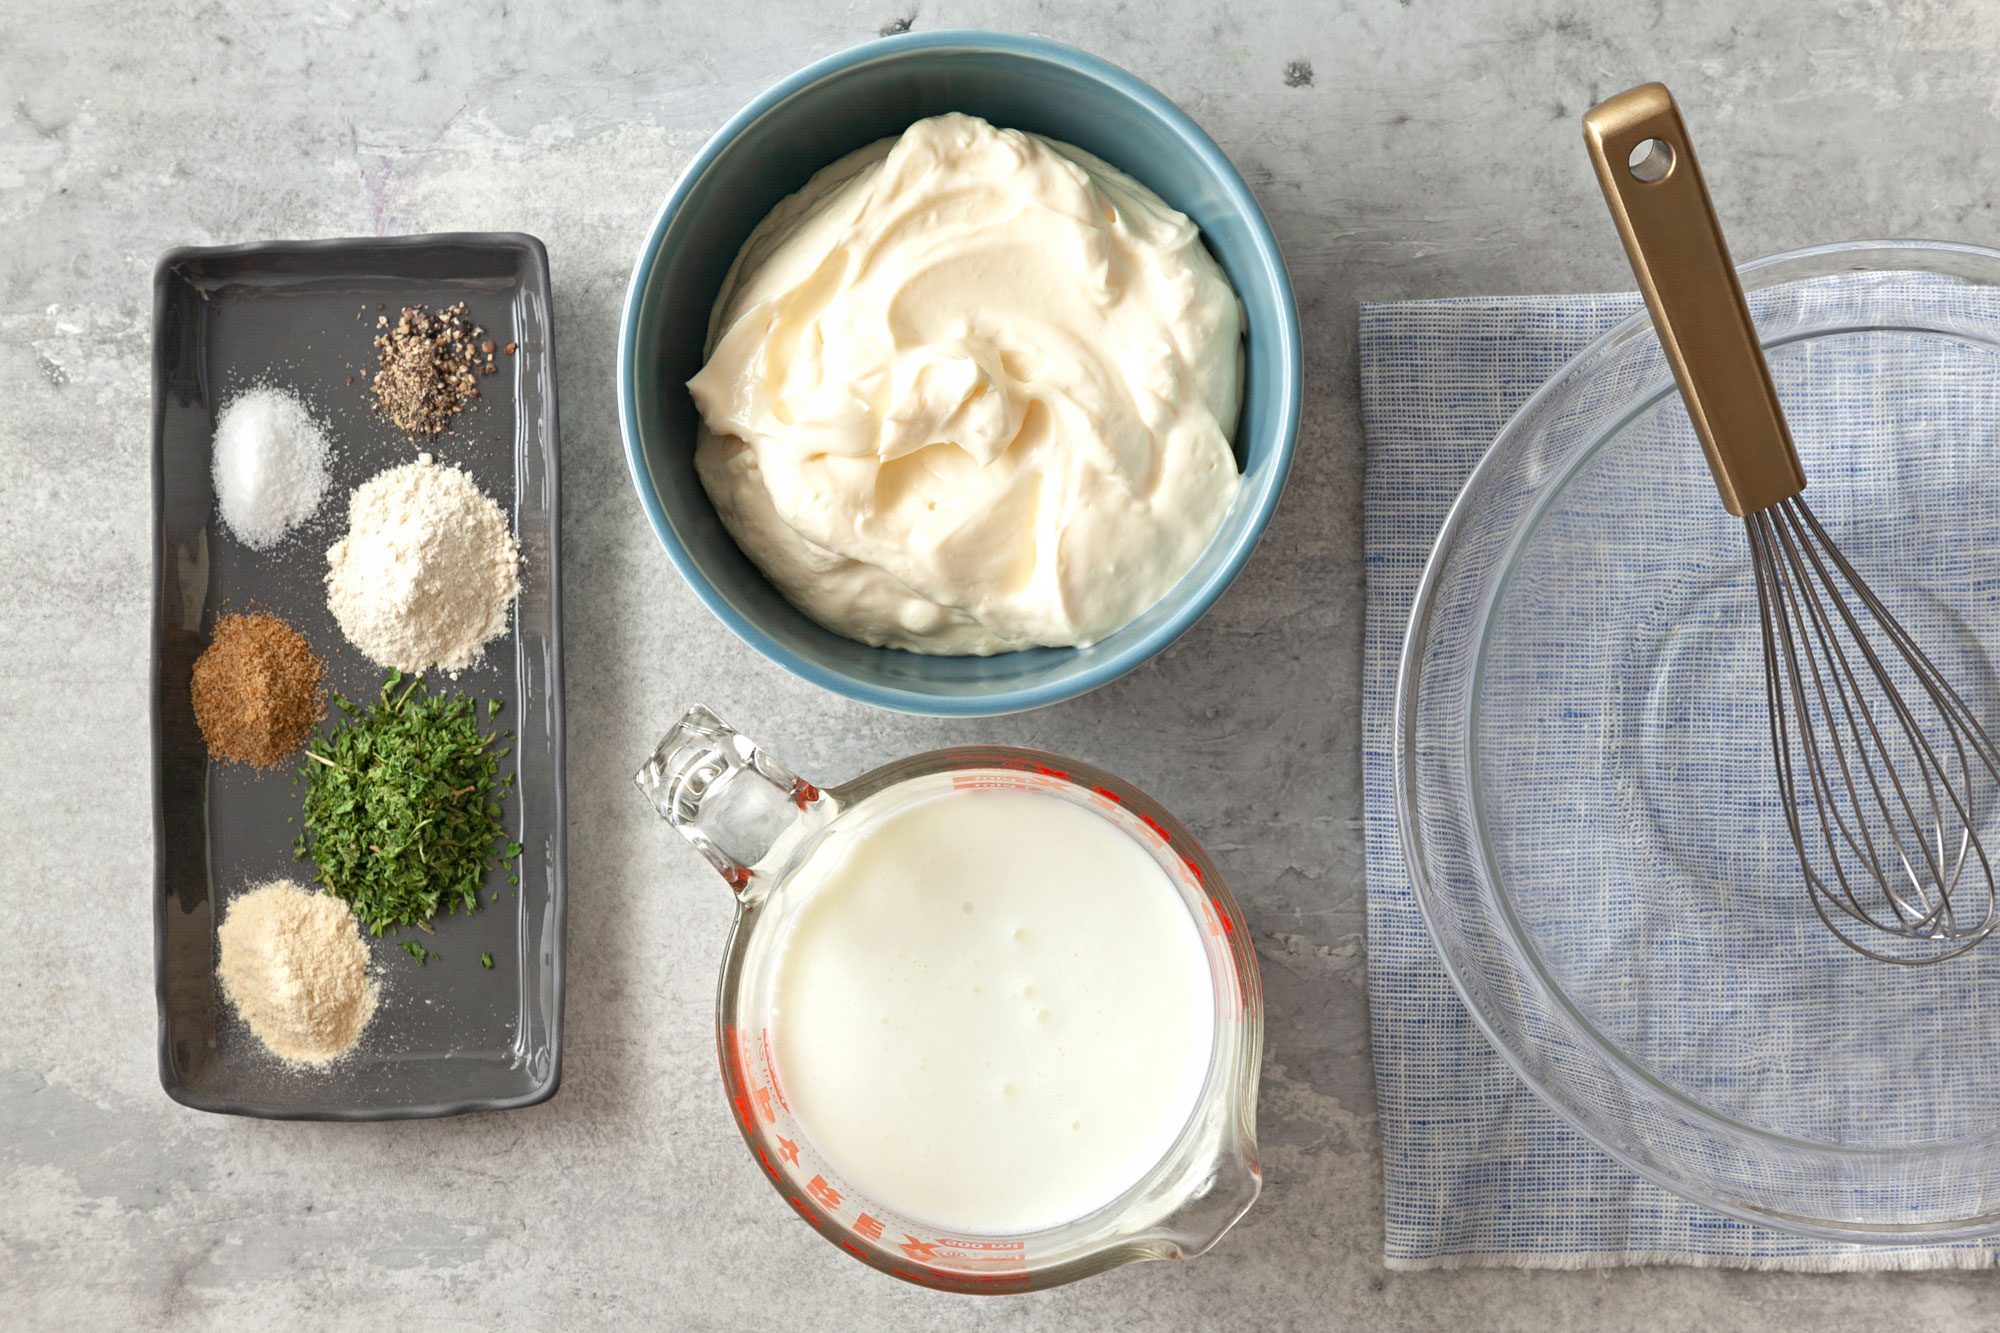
(1936, 690)
(1893, 825)
(1787, 631)
(1865, 733)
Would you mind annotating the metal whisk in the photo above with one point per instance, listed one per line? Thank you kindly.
(1884, 772)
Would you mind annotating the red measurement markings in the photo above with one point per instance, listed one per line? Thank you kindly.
(826, 1195)
(737, 1081)
(771, 1067)
(1234, 967)
(1013, 1278)
(1232, 986)
(1009, 774)
(966, 1262)
(747, 1098)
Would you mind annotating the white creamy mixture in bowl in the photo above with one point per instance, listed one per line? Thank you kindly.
(970, 391)
(687, 266)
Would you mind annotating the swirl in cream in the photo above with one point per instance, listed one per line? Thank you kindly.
(970, 391)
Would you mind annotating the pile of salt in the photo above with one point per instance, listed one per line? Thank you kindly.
(269, 465)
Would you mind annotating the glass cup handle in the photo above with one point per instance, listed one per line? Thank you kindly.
(724, 795)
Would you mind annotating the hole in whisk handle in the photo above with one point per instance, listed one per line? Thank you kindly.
(1650, 161)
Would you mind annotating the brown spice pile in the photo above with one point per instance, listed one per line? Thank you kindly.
(257, 690)
(429, 367)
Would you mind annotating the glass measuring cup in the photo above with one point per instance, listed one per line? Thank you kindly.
(758, 824)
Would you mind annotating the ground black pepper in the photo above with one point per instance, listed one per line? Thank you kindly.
(428, 367)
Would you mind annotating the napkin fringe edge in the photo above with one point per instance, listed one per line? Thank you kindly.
(1863, 1261)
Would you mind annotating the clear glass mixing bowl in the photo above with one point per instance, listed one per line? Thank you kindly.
(1584, 781)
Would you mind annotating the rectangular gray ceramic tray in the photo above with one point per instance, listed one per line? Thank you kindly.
(448, 1036)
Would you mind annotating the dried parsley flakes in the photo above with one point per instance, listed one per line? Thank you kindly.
(402, 808)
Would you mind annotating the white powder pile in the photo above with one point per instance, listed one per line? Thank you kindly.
(294, 965)
(269, 465)
(427, 570)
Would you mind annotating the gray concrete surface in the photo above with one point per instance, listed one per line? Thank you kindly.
(1402, 147)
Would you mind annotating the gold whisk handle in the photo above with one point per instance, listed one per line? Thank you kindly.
(1652, 183)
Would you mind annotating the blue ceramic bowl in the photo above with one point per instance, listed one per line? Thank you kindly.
(770, 149)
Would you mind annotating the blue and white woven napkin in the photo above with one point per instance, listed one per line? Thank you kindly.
(1477, 1170)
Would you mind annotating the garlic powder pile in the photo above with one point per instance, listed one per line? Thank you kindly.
(294, 965)
(427, 571)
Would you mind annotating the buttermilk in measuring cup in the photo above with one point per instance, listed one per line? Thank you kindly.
(992, 1011)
